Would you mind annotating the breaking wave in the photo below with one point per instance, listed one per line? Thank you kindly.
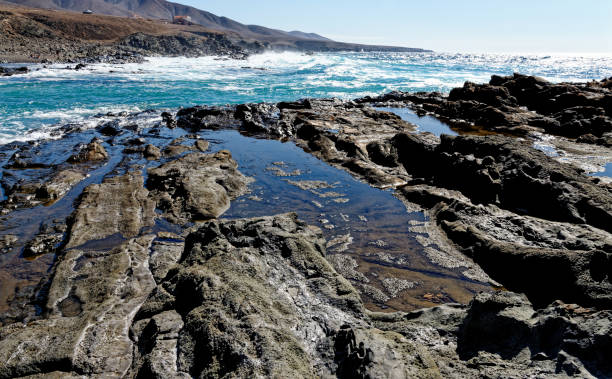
(54, 94)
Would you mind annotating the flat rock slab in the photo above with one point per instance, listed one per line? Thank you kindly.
(197, 186)
(120, 204)
(92, 300)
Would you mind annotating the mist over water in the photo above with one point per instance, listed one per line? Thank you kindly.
(31, 104)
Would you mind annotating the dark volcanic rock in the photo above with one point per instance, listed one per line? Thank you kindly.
(5, 71)
(517, 104)
(109, 129)
(501, 170)
(506, 205)
(198, 118)
(93, 152)
(263, 118)
(299, 319)
(555, 260)
(274, 260)
(7, 241)
(168, 120)
(58, 185)
(90, 304)
(152, 152)
(174, 150)
(256, 297)
(514, 182)
(506, 324)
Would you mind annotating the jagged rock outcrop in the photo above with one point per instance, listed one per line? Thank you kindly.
(250, 294)
(495, 197)
(256, 297)
(146, 282)
(203, 117)
(502, 335)
(93, 152)
(500, 170)
(518, 104)
(7, 71)
(58, 185)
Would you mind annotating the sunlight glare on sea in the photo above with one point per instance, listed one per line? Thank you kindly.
(31, 104)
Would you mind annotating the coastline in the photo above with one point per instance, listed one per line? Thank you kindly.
(33, 35)
(471, 187)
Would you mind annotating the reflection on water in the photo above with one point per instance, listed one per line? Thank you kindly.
(424, 124)
(369, 225)
(372, 239)
(607, 172)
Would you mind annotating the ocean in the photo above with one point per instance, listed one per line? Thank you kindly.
(34, 104)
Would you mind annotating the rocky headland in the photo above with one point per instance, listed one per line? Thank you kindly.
(55, 33)
(132, 270)
(32, 35)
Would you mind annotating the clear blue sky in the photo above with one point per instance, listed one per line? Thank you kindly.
(537, 26)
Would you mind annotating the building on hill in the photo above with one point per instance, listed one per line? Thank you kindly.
(185, 20)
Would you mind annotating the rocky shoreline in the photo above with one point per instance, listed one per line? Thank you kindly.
(33, 35)
(132, 49)
(133, 273)
(38, 36)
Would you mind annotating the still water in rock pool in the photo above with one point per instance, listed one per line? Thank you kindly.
(424, 123)
(373, 239)
(607, 172)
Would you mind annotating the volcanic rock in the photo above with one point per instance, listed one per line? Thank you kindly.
(196, 186)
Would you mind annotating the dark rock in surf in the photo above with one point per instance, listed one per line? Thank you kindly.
(93, 152)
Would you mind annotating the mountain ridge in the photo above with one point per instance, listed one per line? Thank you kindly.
(161, 9)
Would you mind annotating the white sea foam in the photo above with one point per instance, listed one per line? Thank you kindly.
(172, 82)
(50, 122)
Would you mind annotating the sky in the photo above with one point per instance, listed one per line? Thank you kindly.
(517, 26)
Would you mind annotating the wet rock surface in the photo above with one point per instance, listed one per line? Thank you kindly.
(119, 205)
(94, 151)
(131, 272)
(7, 71)
(503, 181)
(91, 301)
(197, 186)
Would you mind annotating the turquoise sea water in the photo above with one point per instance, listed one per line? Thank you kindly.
(32, 104)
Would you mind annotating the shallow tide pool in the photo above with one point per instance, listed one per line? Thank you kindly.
(373, 239)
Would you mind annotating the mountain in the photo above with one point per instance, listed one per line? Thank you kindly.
(161, 9)
(308, 35)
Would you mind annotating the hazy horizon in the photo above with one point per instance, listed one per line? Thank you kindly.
(476, 26)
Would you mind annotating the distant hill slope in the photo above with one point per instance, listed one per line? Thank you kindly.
(41, 36)
(161, 9)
